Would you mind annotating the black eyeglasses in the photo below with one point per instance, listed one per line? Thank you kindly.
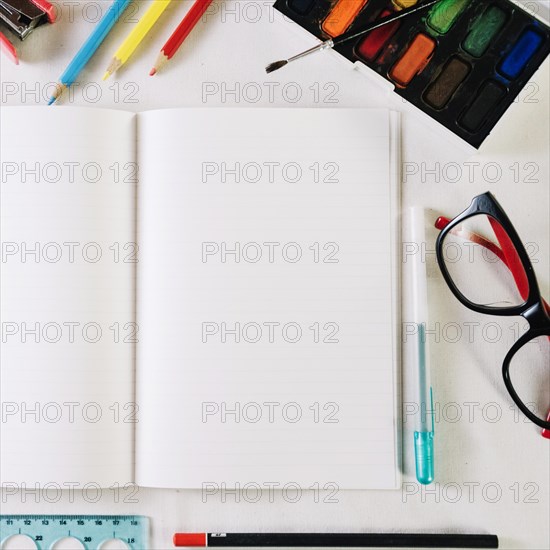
(488, 269)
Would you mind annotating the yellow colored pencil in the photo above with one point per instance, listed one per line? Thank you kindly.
(127, 48)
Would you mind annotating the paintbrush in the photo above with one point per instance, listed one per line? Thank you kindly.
(331, 43)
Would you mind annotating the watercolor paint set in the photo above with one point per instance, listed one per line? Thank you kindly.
(461, 62)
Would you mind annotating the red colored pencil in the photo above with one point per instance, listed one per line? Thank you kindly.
(180, 34)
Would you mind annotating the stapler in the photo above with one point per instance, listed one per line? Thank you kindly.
(22, 16)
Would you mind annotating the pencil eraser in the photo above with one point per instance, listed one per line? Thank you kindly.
(190, 539)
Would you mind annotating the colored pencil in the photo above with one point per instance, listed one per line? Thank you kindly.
(191, 18)
(336, 540)
(139, 32)
(89, 47)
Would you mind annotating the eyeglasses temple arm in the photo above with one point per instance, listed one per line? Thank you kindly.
(507, 255)
(513, 260)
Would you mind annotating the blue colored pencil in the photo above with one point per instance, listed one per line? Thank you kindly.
(89, 47)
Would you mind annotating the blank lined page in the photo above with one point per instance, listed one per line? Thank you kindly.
(266, 299)
(67, 274)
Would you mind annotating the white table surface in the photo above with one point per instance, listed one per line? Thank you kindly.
(493, 469)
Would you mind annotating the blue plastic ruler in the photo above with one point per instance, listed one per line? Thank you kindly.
(91, 531)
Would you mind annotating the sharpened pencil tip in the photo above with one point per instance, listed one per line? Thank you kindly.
(113, 67)
(275, 66)
(59, 89)
(160, 61)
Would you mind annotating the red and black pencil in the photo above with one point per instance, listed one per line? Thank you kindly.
(336, 540)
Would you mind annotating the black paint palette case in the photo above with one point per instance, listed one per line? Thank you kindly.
(461, 62)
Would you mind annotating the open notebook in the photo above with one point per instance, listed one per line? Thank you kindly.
(231, 318)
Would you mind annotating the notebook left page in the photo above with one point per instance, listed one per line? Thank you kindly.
(67, 297)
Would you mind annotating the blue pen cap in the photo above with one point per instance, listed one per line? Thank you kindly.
(424, 456)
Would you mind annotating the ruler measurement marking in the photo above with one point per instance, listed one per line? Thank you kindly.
(86, 528)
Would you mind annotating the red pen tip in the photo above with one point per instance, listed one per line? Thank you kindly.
(153, 72)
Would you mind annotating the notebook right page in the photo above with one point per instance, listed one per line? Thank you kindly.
(266, 299)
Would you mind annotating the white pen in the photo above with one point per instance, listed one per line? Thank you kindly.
(424, 427)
